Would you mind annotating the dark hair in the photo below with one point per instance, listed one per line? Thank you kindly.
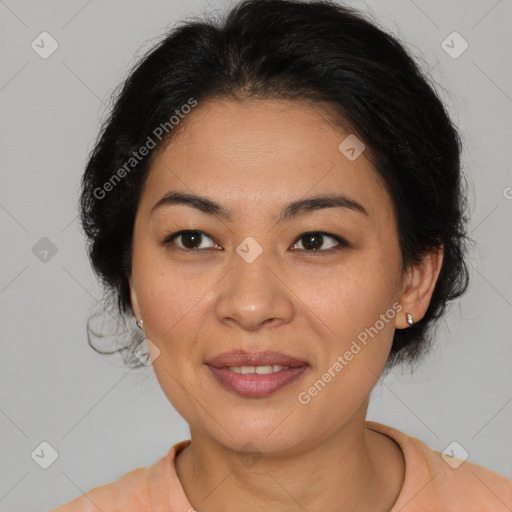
(317, 51)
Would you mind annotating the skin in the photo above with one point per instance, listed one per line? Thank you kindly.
(252, 157)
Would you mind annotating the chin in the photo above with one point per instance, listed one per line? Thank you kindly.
(269, 432)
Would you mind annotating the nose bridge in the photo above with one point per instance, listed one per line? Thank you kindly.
(251, 294)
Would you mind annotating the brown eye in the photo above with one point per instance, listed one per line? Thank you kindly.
(319, 241)
(190, 240)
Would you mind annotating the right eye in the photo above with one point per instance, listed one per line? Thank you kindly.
(190, 240)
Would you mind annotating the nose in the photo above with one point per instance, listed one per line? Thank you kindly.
(253, 295)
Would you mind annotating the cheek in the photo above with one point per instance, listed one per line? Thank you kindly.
(363, 323)
(170, 295)
(359, 305)
(173, 311)
(164, 302)
(353, 297)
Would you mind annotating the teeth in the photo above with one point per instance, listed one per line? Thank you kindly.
(260, 370)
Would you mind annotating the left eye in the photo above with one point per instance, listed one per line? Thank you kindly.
(315, 239)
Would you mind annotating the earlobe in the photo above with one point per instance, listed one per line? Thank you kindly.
(418, 288)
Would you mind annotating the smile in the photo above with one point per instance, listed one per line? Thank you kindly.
(256, 381)
(260, 370)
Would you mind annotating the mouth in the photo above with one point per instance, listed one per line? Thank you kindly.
(256, 374)
(260, 370)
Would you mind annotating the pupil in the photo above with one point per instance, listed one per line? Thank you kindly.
(316, 241)
(191, 239)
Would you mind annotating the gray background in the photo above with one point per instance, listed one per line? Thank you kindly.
(105, 420)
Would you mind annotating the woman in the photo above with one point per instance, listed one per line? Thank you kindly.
(277, 202)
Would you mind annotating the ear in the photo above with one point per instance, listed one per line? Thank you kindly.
(134, 300)
(418, 286)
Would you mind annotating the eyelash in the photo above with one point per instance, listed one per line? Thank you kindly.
(169, 240)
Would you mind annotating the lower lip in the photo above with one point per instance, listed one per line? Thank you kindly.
(254, 385)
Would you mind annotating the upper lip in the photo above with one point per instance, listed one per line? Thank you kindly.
(242, 358)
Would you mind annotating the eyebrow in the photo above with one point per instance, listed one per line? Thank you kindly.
(289, 211)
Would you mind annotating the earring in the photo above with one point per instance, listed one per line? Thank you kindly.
(140, 324)
(410, 319)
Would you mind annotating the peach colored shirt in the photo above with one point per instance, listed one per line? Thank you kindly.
(430, 485)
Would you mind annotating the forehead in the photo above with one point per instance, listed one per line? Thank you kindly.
(264, 150)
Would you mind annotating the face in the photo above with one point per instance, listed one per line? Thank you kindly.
(254, 276)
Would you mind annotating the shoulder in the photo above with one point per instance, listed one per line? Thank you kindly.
(443, 481)
(92, 500)
(476, 487)
(133, 491)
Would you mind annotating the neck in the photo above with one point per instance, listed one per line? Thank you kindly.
(353, 469)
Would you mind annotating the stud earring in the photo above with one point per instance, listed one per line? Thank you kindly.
(140, 324)
(410, 319)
